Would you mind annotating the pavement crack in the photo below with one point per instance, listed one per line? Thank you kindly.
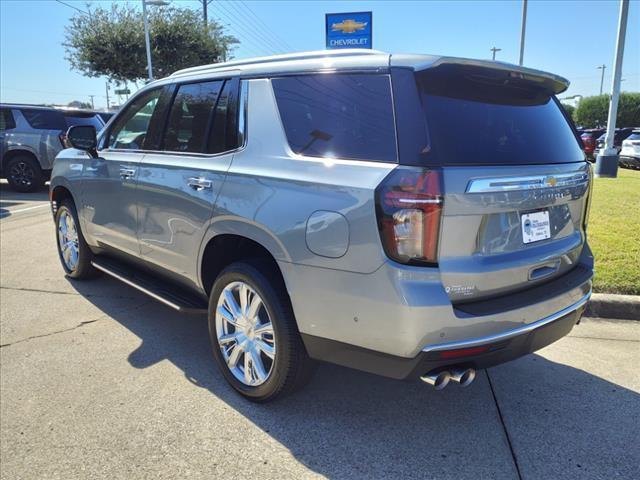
(604, 338)
(504, 426)
(58, 292)
(80, 325)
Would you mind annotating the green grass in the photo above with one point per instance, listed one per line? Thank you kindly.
(614, 233)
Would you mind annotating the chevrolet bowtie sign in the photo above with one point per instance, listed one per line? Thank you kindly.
(349, 30)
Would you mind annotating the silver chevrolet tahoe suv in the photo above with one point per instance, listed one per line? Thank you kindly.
(414, 216)
(30, 138)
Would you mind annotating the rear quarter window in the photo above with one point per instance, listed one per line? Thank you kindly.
(42, 119)
(347, 116)
(7, 122)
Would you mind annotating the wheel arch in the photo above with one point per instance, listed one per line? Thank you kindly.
(236, 240)
(16, 152)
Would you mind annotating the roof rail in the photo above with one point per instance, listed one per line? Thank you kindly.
(277, 58)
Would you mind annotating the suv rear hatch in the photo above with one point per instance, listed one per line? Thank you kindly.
(513, 180)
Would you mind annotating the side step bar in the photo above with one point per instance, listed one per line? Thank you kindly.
(173, 297)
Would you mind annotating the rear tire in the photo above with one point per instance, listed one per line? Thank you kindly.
(262, 356)
(24, 174)
(75, 255)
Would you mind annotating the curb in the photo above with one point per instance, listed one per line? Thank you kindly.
(606, 305)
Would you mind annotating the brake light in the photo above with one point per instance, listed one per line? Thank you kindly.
(409, 207)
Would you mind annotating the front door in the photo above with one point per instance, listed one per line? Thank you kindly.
(178, 185)
(109, 181)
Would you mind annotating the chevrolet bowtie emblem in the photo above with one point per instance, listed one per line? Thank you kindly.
(551, 181)
(348, 26)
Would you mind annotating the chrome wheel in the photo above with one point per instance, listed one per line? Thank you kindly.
(68, 240)
(245, 334)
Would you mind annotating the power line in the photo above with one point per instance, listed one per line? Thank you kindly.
(261, 26)
(255, 28)
(247, 30)
(71, 6)
(267, 28)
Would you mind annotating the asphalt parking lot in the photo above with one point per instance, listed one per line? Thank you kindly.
(98, 381)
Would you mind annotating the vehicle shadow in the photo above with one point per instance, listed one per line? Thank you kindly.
(11, 198)
(351, 424)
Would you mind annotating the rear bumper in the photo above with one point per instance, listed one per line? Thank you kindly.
(496, 349)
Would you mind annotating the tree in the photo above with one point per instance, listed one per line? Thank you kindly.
(570, 109)
(593, 111)
(79, 104)
(110, 42)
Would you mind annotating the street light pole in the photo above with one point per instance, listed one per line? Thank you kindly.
(146, 38)
(494, 50)
(602, 67)
(522, 30)
(607, 161)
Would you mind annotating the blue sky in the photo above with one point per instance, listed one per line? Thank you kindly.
(570, 38)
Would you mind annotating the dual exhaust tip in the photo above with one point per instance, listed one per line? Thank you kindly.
(462, 376)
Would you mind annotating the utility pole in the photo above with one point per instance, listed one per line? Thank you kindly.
(205, 4)
(146, 38)
(93, 105)
(522, 30)
(607, 160)
(602, 67)
(494, 50)
(106, 88)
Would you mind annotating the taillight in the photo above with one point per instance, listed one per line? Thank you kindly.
(409, 207)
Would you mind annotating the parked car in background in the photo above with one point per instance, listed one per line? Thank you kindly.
(31, 137)
(106, 116)
(630, 151)
(620, 135)
(589, 138)
(336, 214)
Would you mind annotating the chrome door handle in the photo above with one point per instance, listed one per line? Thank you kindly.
(126, 172)
(199, 183)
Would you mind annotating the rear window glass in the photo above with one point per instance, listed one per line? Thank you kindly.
(346, 116)
(44, 119)
(490, 120)
(634, 136)
(73, 119)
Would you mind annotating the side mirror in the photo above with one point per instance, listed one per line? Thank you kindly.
(83, 137)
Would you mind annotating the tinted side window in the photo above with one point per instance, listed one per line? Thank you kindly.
(7, 121)
(44, 119)
(130, 128)
(224, 134)
(190, 117)
(73, 119)
(342, 116)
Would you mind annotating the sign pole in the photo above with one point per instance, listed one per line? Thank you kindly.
(607, 161)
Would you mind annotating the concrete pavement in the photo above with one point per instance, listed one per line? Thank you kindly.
(98, 381)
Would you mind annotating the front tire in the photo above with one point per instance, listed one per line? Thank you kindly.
(73, 250)
(254, 335)
(24, 174)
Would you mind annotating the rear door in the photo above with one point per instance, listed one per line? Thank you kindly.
(178, 184)
(514, 179)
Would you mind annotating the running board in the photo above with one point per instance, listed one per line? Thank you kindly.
(176, 298)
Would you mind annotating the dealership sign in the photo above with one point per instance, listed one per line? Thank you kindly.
(349, 30)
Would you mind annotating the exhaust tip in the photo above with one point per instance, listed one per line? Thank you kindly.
(463, 377)
(437, 380)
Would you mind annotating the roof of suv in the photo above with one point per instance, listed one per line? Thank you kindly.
(350, 59)
(45, 107)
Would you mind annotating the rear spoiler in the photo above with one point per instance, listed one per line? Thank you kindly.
(550, 81)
